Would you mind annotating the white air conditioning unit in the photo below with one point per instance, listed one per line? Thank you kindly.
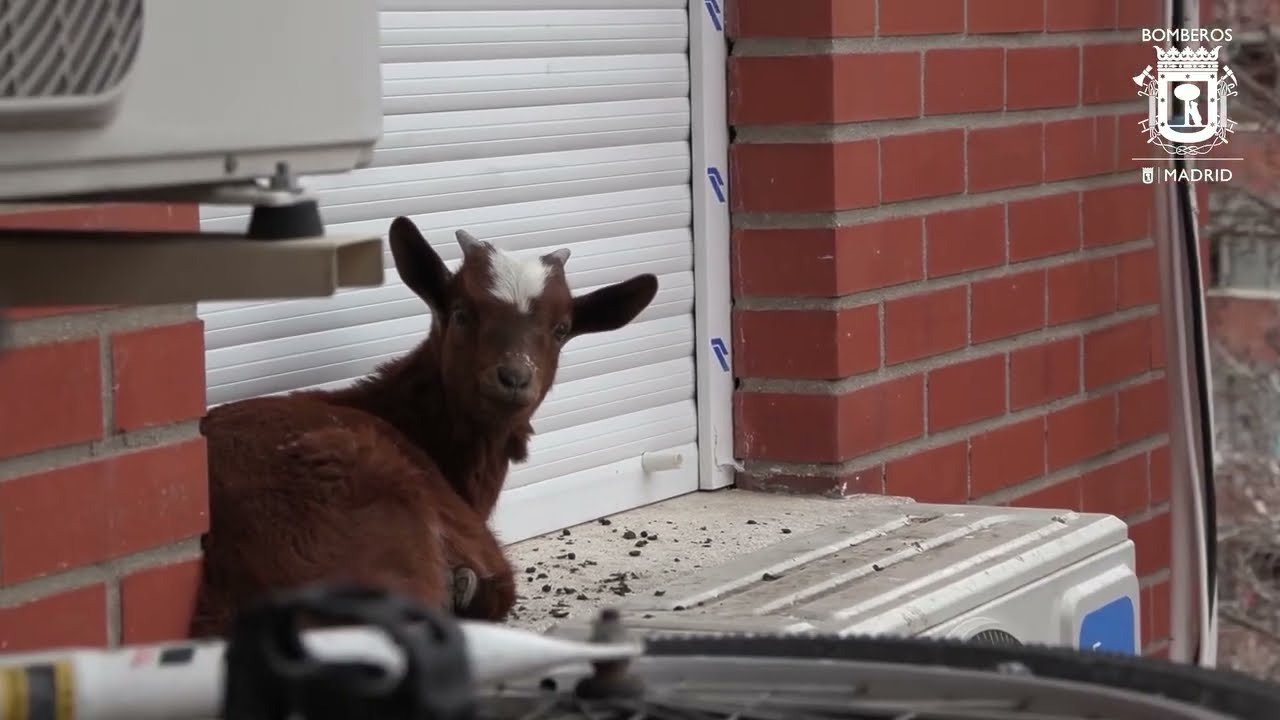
(101, 96)
(984, 574)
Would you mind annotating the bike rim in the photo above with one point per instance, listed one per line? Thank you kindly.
(799, 689)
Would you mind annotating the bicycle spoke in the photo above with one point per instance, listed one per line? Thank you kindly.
(763, 696)
(542, 711)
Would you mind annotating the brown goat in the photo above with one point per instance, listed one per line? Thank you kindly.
(392, 481)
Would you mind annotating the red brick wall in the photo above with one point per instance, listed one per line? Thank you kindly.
(103, 489)
(944, 281)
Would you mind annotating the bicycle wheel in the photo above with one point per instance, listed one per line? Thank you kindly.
(772, 678)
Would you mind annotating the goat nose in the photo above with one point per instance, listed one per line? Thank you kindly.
(514, 377)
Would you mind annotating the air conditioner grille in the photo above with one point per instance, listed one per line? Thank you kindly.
(996, 637)
(66, 48)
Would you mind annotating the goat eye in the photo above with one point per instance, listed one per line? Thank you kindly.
(561, 332)
(459, 316)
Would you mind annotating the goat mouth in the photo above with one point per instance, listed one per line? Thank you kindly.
(511, 400)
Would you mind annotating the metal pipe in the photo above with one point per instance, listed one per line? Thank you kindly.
(1193, 582)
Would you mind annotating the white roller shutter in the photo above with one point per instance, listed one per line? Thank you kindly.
(535, 124)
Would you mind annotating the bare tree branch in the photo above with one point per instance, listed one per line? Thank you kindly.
(1246, 212)
(1251, 625)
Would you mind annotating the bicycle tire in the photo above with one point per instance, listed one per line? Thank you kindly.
(1224, 691)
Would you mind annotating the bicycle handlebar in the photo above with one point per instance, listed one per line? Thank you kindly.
(176, 681)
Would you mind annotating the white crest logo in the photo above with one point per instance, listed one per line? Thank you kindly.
(1187, 101)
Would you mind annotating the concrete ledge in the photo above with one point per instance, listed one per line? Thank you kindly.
(46, 267)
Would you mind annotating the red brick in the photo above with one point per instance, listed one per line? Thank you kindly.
(1045, 226)
(83, 514)
(1144, 618)
(1082, 290)
(1044, 373)
(43, 311)
(803, 177)
(878, 255)
(881, 416)
(1065, 15)
(1156, 600)
(828, 262)
(1006, 157)
(810, 433)
(1100, 83)
(52, 396)
(964, 240)
(1117, 352)
(1139, 283)
(800, 18)
(158, 375)
(922, 17)
(1131, 142)
(966, 392)
(1026, 70)
(1137, 14)
(75, 618)
(838, 485)
(1119, 488)
(873, 86)
(923, 325)
(1160, 474)
(1116, 214)
(786, 89)
(1006, 456)
(156, 603)
(939, 475)
(921, 165)
(1081, 431)
(807, 344)
(1005, 16)
(1144, 411)
(807, 89)
(963, 80)
(1157, 342)
(829, 428)
(758, 270)
(1152, 540)
(1006, 306)
(106, 216)
(1079, 148)
(1063, 495)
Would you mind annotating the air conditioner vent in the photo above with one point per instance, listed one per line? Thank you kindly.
(52, 51)
(995, 637)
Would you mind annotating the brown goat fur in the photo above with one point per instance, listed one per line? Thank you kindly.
(392, 481)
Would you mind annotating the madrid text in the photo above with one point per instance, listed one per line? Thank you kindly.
(1196, 174)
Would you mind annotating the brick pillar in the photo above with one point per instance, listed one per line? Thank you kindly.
(103, 486)
(944, 281)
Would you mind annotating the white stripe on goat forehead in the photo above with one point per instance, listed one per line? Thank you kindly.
(518, 281)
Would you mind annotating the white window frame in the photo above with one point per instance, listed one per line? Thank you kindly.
(712, 311)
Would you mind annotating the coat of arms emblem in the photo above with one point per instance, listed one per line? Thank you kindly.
(1187, 100)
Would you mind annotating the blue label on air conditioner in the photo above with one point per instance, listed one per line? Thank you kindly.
(1110, 627)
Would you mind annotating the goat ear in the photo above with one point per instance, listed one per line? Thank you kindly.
(419, 266)
(612, 306)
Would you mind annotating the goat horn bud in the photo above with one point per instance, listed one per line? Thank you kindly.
(557, 257)
(468, 242)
